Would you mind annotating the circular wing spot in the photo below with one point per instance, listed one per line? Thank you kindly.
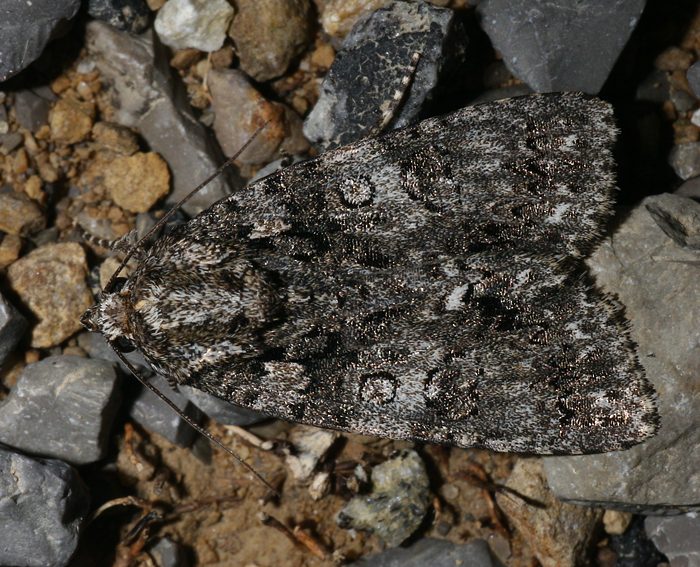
(378, 388)
(357, 191)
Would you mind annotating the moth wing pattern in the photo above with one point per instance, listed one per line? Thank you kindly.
(425, 285)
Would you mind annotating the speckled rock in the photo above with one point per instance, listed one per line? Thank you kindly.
(559, 534)
(200, 24)
(51, 282)
(137, 182)
(43, 504)
(269, 34)
(240, 110)
(397, 504)
(128, 15)
(62, 407)
(359, 85)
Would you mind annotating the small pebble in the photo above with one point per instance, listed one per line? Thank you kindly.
(20, 215)
(339, 16)
(115, 137)
(137, 182)
(44, 504)
(200, 24)
(71, 120)
(616, 522)
(240, 110)
(10, 247)
(685, 160)
(50, 281)
(673, 59)
(62, 407)
(269, 34)
(693, 77)
(310, 444)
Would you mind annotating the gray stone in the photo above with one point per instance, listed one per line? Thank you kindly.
(682, 100)
(200, 24)
(43, 504)
(693, 76)
(397, 504)
(560, 45)
(155, 415)
(96, 346)
(63, 407)
(359, 83)
(430, 552)
(499, 94)
(26, 28)
(152, 100)
(12, 328)
(222, 411)
(678, 217)
(657, 282)
(690, 188)
(677, 537)
(10, 142)
(168, 553)
(127, 15)
(685, 160)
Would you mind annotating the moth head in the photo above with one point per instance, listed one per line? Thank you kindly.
(109, 317)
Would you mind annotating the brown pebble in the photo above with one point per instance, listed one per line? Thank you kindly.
(71, 120)
(616, 522)
(673, 59)
(20, 163)
(20, 215)
(10, 247)
(115, 137)
(137, 182)
(51, 282)
(184, 58)
(269, 34)
(222, 58)
(32, 356)
(323, 56)
(33, 189)
(338, 16)
(685, 132)
(46, 171)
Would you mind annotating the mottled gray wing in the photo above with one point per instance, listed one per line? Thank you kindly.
(422, 285)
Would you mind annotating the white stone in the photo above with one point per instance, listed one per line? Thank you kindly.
(200, 24)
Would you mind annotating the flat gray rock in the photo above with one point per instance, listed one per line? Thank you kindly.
(26, 28)
(677, 537)
(150, 98)
(560, 45)
(222, 411)
(658, 281)
(155, 415)
(63, 407)
(430, 552)
(43, 504)
(359, 83)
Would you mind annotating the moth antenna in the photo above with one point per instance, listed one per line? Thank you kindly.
(199, 429)
(389, 108)
(179, 204)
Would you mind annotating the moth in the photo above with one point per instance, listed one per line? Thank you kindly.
(426, 284)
